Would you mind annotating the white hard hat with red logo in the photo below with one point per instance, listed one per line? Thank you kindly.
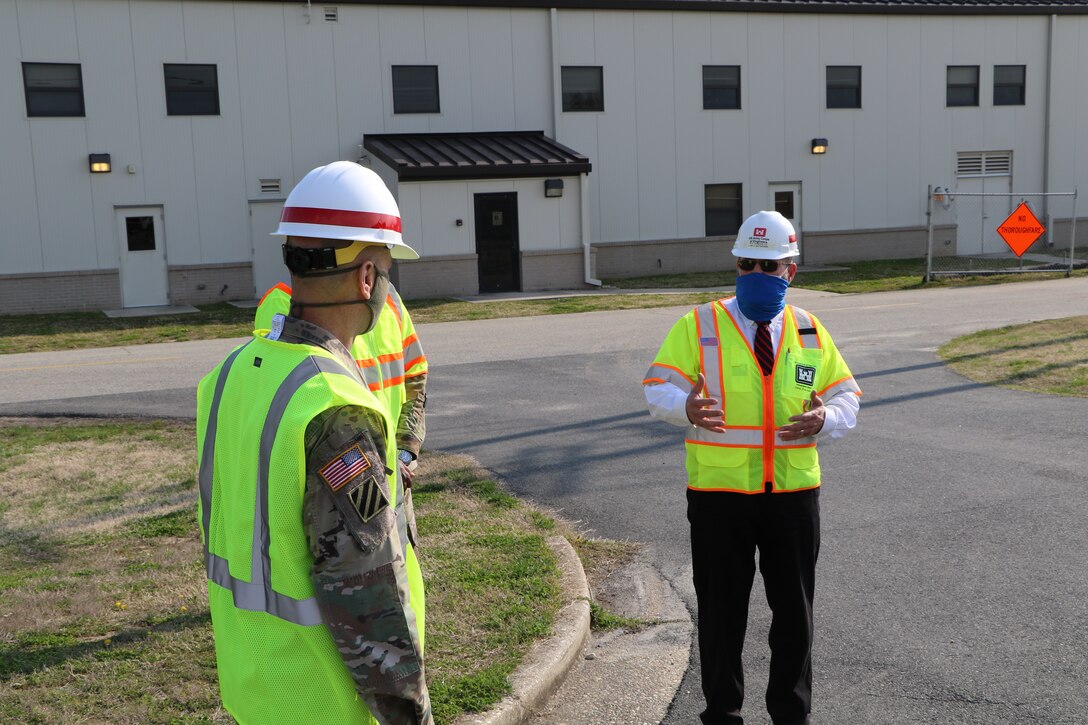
(766, 235)
(348, 202)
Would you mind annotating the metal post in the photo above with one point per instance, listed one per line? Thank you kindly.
(1072, 234)
(929, 233)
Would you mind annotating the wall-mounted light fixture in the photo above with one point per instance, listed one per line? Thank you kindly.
(553, 187)
(819, 145)
(100, 163)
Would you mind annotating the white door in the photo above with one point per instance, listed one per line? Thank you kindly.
(268, 268)
(785, 198)
(143, 257)
(978, 217)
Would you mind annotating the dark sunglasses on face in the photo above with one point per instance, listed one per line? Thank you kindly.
(765, 265)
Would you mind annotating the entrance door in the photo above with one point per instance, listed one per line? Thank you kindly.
(268, 267)
(497, 242)
(785, 198)
(143, 257)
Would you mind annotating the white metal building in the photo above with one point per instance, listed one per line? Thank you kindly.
(668, 122)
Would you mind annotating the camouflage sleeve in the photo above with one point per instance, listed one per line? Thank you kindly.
(412, 426)
(359, 571)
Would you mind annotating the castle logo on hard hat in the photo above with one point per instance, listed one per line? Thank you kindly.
(759, 232)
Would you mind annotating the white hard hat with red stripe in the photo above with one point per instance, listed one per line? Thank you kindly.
(344, 201)
(766, 235)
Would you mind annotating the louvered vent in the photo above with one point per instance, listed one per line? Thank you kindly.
(984, 163)
(270, 186)
(332, 15)
(998, 164)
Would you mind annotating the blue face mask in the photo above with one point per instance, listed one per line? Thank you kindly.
(761, 296)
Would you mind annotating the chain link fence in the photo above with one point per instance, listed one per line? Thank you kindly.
(963, 235)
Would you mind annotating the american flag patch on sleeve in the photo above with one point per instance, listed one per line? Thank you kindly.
(344, 467)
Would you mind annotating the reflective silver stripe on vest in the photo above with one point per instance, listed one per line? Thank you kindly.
(710, 349)
(804, 322)
(257, 594)
(661, 374)
(208, 454)
(413, 354)
(843, 386)
(733, 437)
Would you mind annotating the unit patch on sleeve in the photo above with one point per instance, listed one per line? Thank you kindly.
(368, 498)
(806, 375)
(346, 466)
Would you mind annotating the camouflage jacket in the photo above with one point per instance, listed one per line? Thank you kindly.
(359, 571)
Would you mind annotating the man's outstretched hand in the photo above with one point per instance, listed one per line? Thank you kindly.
(704, 412)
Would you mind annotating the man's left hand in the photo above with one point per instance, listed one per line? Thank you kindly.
(805, 424)
(405, 473)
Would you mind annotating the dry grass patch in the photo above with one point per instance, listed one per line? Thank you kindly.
(103, 608)
(1050, 356)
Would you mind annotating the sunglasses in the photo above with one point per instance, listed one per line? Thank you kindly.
(765, 265)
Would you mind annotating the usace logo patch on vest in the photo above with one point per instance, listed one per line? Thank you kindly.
(806, 375)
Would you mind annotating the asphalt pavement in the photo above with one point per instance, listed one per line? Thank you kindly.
(951, 586)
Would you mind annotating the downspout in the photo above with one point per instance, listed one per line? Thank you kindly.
(1047, 129)
(583, 181)
(587, 259)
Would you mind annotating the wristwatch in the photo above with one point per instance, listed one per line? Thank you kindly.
(405, 457)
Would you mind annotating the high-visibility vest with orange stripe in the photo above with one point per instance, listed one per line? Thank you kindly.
(749, 454)
(387, 355)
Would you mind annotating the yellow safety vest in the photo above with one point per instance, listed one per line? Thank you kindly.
(749, 454)
(276, 659)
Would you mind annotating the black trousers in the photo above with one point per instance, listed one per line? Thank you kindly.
(726, 531)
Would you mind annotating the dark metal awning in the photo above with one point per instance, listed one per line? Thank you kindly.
(498, 155)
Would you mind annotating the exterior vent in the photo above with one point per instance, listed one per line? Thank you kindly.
(998, 164)
(332, 15)
(270, 186)
(983, 163)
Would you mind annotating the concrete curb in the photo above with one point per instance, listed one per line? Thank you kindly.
(547, 663)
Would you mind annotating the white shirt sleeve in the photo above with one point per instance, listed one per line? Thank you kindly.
(841, 415)
(669, 403)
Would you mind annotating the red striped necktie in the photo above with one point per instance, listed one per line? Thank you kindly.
(764, 350)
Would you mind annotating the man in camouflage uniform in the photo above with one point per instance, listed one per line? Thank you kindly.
(326, 625)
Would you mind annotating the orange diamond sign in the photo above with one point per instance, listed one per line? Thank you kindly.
(1021, 229)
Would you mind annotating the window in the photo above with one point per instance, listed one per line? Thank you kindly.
(191, 90)
(1009, 85)
(721, 86)
(583, 88)
(415, 89)
(140, 231)
(783, 203)
(962, 85)
(53, 89)
(723, 206)
(844, 86)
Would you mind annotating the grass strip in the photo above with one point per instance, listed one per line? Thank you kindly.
(74, 330)
(1048, 356)
(103, 594)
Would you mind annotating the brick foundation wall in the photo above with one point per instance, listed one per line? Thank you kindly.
(196, 284)
(22, 294)
(662, 256)
(562, 269)
(447, 276)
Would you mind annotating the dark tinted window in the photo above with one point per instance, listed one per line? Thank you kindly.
(415, 89)
(844, 86)
(962, 85)
(191, 90)
(723, 209)
(721, 86)
(140, 231)
(583, 88)
(53, 89)
(1009, 85)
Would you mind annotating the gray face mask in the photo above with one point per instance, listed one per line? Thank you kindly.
(378, 293)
